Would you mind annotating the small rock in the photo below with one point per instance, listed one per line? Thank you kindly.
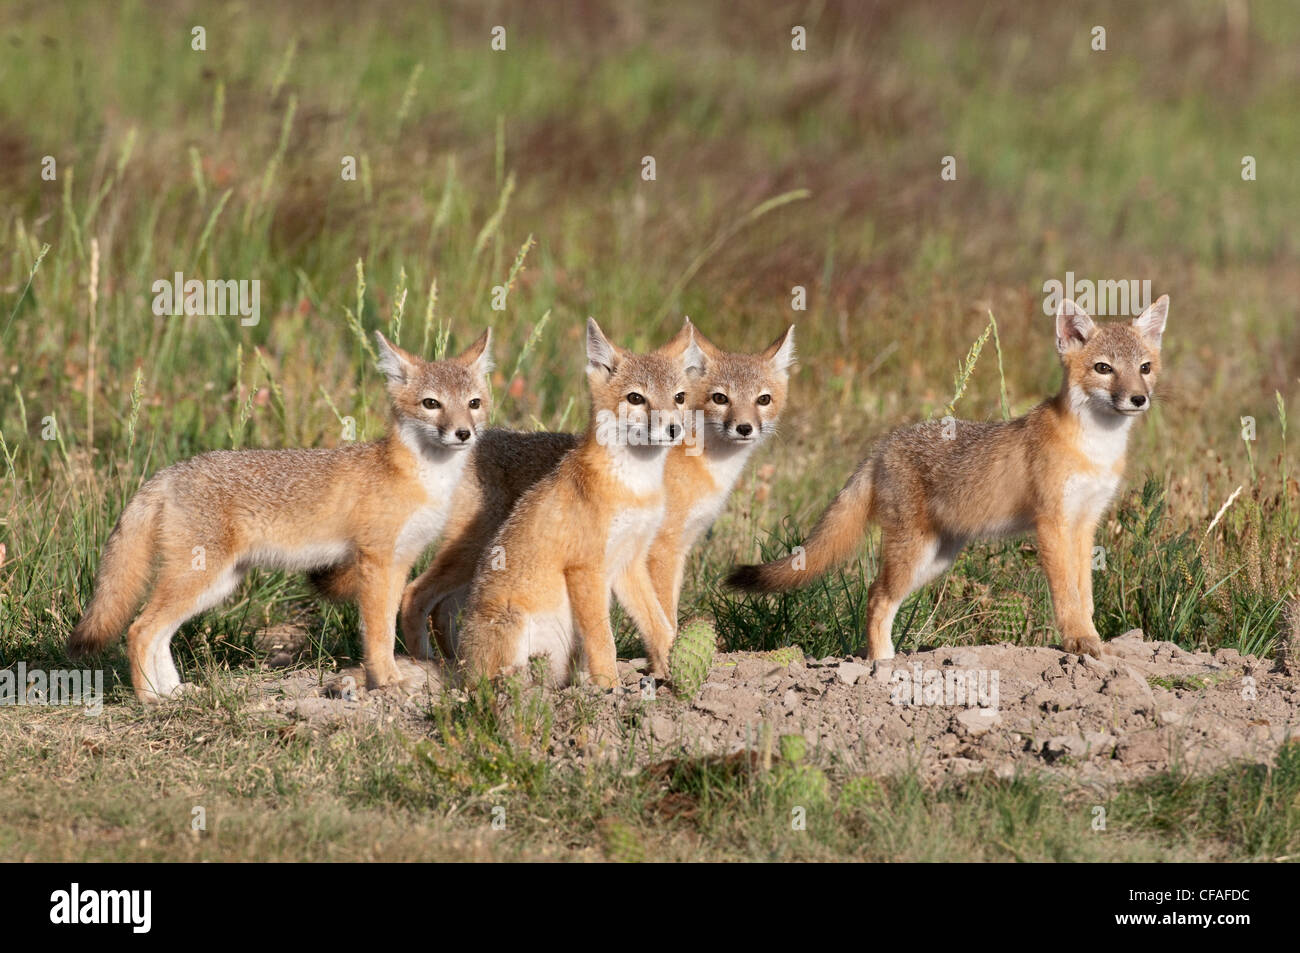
(1097, 666)
(977, 721)
(850, 672)
(1100, 742)
(1142, 747)
(1059, 746)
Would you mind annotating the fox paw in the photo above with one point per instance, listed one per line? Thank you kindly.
(1086, 645)
(382, 678)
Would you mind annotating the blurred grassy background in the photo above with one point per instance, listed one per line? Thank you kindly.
(226, 164)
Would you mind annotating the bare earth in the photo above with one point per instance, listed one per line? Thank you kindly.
(1145, 707)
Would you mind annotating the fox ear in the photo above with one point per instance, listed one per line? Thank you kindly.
(1073, 326)
(694, 360)
(677, 344)
(479, 354)
(780, 353)
(1151, 322)
(711, 350)
(602, 356)
(395, 363)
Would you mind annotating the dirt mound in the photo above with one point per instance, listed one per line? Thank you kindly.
(1145, 707)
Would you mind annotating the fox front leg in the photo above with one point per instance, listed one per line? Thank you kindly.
(589, 597)
(1058, 555)
(380, 595)
(635, 591)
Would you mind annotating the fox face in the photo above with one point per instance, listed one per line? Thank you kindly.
(741, 396)
(443, 403)
(1111, 368)
(644, 394)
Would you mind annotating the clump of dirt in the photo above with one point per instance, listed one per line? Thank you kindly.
(1143, 708)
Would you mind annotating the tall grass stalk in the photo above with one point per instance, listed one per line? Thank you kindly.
(720, 239)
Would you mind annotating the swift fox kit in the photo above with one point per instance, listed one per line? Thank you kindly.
(739, 398)
(584, 528)
(358, 516)
(936, 486)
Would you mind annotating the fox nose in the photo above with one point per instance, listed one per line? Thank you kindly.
(673, 431)
(462, 434)
(1138, 400)
(744, 429)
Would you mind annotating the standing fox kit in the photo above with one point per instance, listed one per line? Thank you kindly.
(738, 398)
(585, 528)
(356, 517)
(933, 487)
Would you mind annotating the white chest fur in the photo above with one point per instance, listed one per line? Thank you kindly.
(725, 462)
(640, 469)
(1103, 440)
(439, 472)
(1086, 495)
(630, 531)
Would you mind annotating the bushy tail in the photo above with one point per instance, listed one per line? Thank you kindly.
(122, 577)
(834, 539)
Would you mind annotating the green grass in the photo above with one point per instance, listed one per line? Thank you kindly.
(226, 164)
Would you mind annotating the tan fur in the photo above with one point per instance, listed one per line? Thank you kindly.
(697, 485)
(357, 517)
(933, 488)
(505, 465)
(582, 529)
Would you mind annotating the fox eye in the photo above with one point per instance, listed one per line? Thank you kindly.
(430, 404)
(1146, 367)
(679, 397)
(475, 404)
(719, 398)
(635, 398)
(764, 399)
(1101, 368)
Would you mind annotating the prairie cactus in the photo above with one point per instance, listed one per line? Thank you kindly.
(691, 657)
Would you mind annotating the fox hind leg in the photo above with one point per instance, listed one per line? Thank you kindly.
(908, 561)
(446, 613)
(179, 595)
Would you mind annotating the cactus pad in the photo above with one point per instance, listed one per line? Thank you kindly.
(691, 656)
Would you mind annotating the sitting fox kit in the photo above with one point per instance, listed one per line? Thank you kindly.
(932, 489)
(543, 587)
(357, 517)
(738, 398)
